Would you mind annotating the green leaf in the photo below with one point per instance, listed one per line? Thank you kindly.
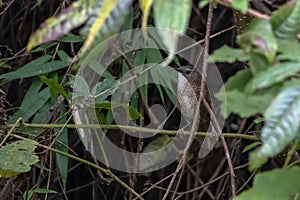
(278, 184)
(132, 113)
(281, 125)
(286, 26)
(28, 194)
(171, 16)
(246, 105)
(52, 84)
(289, 50)
(36, 67)
(258, 63)
(203, 3)
(259, 38)
(31, 104)
(61, 144)
(228, 54)
(250, 146)
(272, 75)
(241, 5)
(17, 157)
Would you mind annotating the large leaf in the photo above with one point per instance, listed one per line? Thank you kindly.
(55, 27)
(286, 22)
(281, 125)
(279, 184)
(272, 75)
(171, 16)
(17, 157)
(106, 18)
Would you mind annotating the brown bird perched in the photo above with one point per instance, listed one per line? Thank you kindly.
(188, 92)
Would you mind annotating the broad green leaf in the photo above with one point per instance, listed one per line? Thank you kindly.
(55, 86)
(241, 5)
(281, 125)
(238, 81)
(258, 63)
(272, 75)
(17, 157)
(228, 54)
(289, 50)
(55, 27)
(246, 105)
(36, 67)
(278, 184)
(172, 17)
(259, 38)
(286, 21)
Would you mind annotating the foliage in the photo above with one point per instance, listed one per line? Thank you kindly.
(17, 157)
(268, 88)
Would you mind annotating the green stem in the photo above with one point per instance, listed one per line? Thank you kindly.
(129, 128)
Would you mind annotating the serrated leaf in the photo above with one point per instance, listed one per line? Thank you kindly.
(272, 75)
(241, 5)
(55, 27)
(17, 157)
(281, 125)
(228, 54)
(278, 184)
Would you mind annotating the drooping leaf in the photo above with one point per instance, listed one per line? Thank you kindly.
(272, 75)
(55, 27)
(278, 184)
(106, 19)
(17, 157)
(286, 21)
(55, 86)
(281, 125)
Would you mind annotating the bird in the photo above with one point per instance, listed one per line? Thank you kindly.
(188, 92)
